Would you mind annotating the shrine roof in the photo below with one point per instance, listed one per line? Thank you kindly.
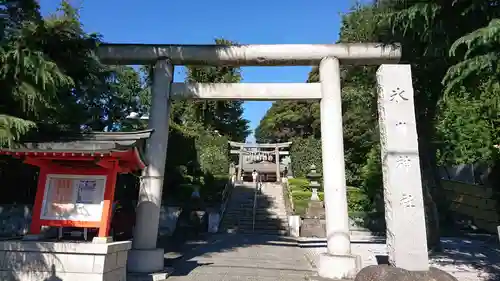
(128, 147)
(96, 142)
(263, 167)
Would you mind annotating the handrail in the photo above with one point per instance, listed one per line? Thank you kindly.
(287, 194)
(225, 198)
(255, 203)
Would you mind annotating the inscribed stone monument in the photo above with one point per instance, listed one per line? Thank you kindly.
(404, 207)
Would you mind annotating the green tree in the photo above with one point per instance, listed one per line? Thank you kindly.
(289, 119)
(224, 116)
(28, 78)
(52, 78)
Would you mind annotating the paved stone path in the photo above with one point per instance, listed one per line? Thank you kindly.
(466, 259)
(228, 257)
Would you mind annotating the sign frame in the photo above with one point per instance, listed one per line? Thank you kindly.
(97, 209)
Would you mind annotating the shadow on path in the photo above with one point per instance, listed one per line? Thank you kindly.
(251, 254)
(243, 256)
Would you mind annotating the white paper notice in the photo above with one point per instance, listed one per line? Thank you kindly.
(87, 192)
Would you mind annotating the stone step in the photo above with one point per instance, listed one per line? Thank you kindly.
(263, 232)
(257, 225)
(257, 218)
(261, 206)
(257, 214)
(259, 222)
(268, 208)
(263, 227)
(250, 224)
(250, 219)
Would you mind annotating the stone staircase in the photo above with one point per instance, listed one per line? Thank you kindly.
(270, 211)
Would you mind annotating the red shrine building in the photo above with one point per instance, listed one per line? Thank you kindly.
(76, 183)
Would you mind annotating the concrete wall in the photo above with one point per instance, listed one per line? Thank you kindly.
(473, 202)
(15, 220)
(476, 173)
(64, 261)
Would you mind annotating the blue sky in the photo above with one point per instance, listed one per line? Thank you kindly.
(199, 22)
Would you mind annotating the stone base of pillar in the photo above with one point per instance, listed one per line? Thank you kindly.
(145, 261)
(157, 276)
(338, 267)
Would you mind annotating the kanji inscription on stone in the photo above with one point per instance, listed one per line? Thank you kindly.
(397, 95)
(403, 161)
(401, 126)
(407, 200)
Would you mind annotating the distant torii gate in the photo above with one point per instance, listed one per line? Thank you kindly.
(242, 149)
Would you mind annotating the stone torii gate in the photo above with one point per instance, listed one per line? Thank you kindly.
(244, 149)
(406, 234)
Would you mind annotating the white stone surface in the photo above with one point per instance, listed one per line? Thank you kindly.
(35, 261)
(102, 240)
(294, 225)
(404, 207)
(337, 267)
(250, 55)
(332, 147)
(314, 195)
(156, 276)
(246, 91)
(150, 193)
(63, 247)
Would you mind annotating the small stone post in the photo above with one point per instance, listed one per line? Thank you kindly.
(313, 178)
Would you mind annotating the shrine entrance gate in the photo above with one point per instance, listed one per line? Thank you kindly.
(397, 125)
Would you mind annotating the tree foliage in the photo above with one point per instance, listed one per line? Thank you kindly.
(224, 116)
(453, 48)
(305, 152)
(52, 83)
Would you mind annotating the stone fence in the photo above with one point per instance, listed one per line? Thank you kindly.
(474, 203)
(15, 220)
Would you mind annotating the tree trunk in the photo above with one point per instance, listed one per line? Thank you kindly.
(431, 186)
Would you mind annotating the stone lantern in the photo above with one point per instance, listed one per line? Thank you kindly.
(313, 224)
(314, 184)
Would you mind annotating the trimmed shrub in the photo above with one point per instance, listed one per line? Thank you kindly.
(301, 184)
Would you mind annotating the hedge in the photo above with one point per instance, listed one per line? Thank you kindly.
(357, 201)
(298, 184)
(303, 153)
